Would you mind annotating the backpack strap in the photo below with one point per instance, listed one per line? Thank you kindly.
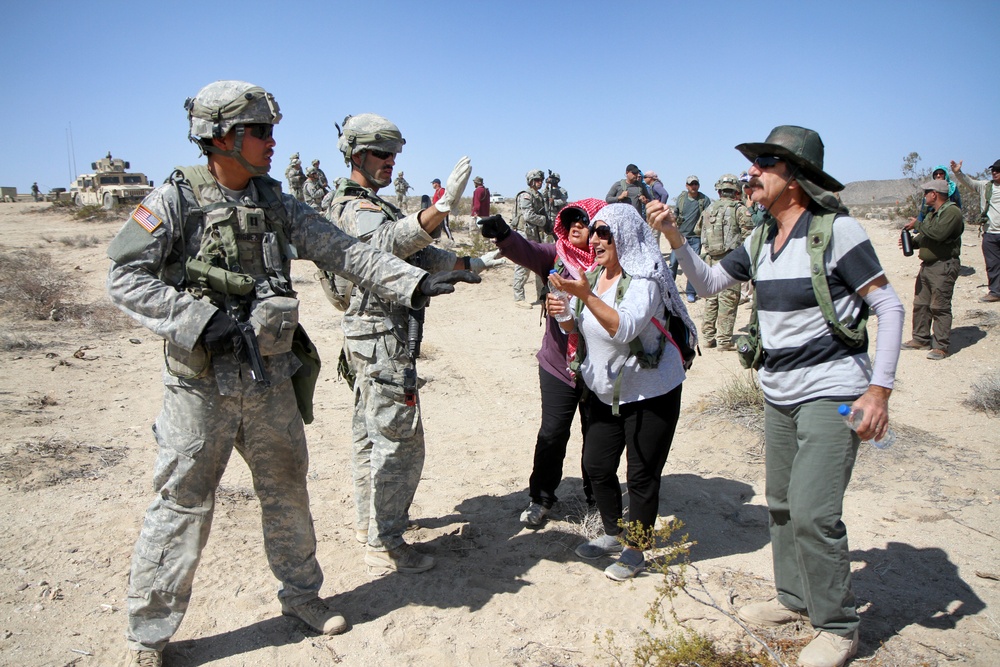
(820, 233)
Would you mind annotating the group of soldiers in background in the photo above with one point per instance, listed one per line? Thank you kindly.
(534, 214)
(309, 187)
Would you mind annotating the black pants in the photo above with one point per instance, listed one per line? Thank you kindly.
(644, 430)
(991, 253)
(559, 404)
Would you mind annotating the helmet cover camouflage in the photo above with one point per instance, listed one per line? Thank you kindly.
(728, 182)
(368, 131)
(533, 175)
(219, 106)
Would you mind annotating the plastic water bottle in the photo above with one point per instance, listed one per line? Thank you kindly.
(564, 297)
(853, 419)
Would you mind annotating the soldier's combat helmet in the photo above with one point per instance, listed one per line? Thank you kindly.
(555, 177)
(223, 105)
(368, 132)
(534, 175)
(728, 182)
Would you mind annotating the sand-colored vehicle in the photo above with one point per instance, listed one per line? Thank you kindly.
(110, 184)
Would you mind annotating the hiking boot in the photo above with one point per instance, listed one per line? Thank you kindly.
(936, 355)
(726, 347)
(915, 345)
(829, 650)
(315, 613)
(404, 559)
(605, 545)
(537, 302)
(770, 614)
(144, 659)
(629, 564)
(521, 303)
(535, 515)
(990, 298)
(710, 343)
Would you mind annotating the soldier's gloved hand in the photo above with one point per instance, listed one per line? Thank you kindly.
(487, 261)
(219, 334)
(456, 185)
(494, 227)
(443, 282)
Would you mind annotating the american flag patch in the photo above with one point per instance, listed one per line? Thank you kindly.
(146, 218)
(368, 206)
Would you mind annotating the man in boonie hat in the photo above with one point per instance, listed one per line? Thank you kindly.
(808, 369)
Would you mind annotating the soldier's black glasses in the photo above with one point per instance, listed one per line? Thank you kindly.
(381, 155)
(765, 161)
(262, 131)
(603, 232)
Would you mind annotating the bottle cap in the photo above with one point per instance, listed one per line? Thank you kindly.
(551, 271)
(844, 410)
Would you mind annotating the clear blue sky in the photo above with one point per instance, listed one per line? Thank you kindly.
(582, 88)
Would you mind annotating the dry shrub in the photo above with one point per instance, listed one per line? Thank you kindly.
(986, 395)
(46, 462)
(31, 284)
(741, 400)
(80, 241)
(18, 341)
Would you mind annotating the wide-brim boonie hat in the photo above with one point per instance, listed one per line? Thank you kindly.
(800, 147)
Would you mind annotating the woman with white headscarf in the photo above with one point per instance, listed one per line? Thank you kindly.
(635, 395)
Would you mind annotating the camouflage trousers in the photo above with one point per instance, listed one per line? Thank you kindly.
(296, 191)
(536, 234)
(196, 432)
(720, 311)
(387, 454)
(401, 201)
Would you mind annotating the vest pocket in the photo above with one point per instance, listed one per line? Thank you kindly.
(274, 321)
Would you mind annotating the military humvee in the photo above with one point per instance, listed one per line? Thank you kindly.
(109, 185)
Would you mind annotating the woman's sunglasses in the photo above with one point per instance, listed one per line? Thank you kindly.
(603, 232)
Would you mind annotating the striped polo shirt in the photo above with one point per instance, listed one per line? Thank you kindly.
(803, 359)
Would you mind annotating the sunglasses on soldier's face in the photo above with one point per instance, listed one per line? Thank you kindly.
(262, 131)
(766, 161)
(382, 155)
(603, 232)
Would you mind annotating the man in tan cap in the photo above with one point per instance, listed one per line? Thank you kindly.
(808, 366)
(939, 238)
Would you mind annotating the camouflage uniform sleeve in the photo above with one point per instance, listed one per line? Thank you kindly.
(526, 205)
(402, 238)
(745, 221)
(138, 258)
(317, 239)
(560, 200)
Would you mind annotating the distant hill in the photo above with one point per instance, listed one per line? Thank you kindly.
(887, 192)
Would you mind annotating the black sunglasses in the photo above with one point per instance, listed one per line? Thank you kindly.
(381, 155)
(603, 233)
(765, 161)
(574, 216)
(262, 131)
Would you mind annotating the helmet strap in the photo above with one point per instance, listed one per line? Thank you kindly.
(373, 183)
(236, 153)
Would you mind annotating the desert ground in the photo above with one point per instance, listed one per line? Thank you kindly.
(78, 398)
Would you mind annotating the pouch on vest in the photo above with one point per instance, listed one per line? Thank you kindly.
(186, 364)
(304, 380)
(275, 321)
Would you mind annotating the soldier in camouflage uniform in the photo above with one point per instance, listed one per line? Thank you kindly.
(724, 225)
(207, 251)
(530, 222)
(313, 189)
(555, 198)
(296, 179)
(321, 175)
(388, 449)
(402, 187)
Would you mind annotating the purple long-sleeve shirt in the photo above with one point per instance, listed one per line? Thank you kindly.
(540, 258)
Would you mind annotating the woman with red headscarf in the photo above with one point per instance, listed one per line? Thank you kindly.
(571, 256)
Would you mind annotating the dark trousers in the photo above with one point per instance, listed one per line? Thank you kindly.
(932, 303)
(991, 253)
(559, 403)
(644, 430)
(695, 243)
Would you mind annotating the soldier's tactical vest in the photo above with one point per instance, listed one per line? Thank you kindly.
(243, 265)
(721, 229)
(518, 222)
(339, 290)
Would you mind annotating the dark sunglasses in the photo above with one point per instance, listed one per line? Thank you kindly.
(381, 155)
(603, 233)
(766, 161)
(574, 216)
(262, 131)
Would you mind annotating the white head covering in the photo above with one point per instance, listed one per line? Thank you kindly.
(640, 257)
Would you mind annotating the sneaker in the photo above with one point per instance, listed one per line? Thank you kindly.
(534, 515)
(915, 345)
(770, 614)
(710, 343)
(361, 536)
(537, 302)
(990, 298)
(404, 559)
(936, 355)
(144, 659)
(629, 564)
(829, 650)
(521, 303)
(605, 545)
(315, 613)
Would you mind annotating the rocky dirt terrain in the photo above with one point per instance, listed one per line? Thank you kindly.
(78, 395)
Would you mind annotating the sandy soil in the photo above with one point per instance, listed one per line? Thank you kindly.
(77, 404)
